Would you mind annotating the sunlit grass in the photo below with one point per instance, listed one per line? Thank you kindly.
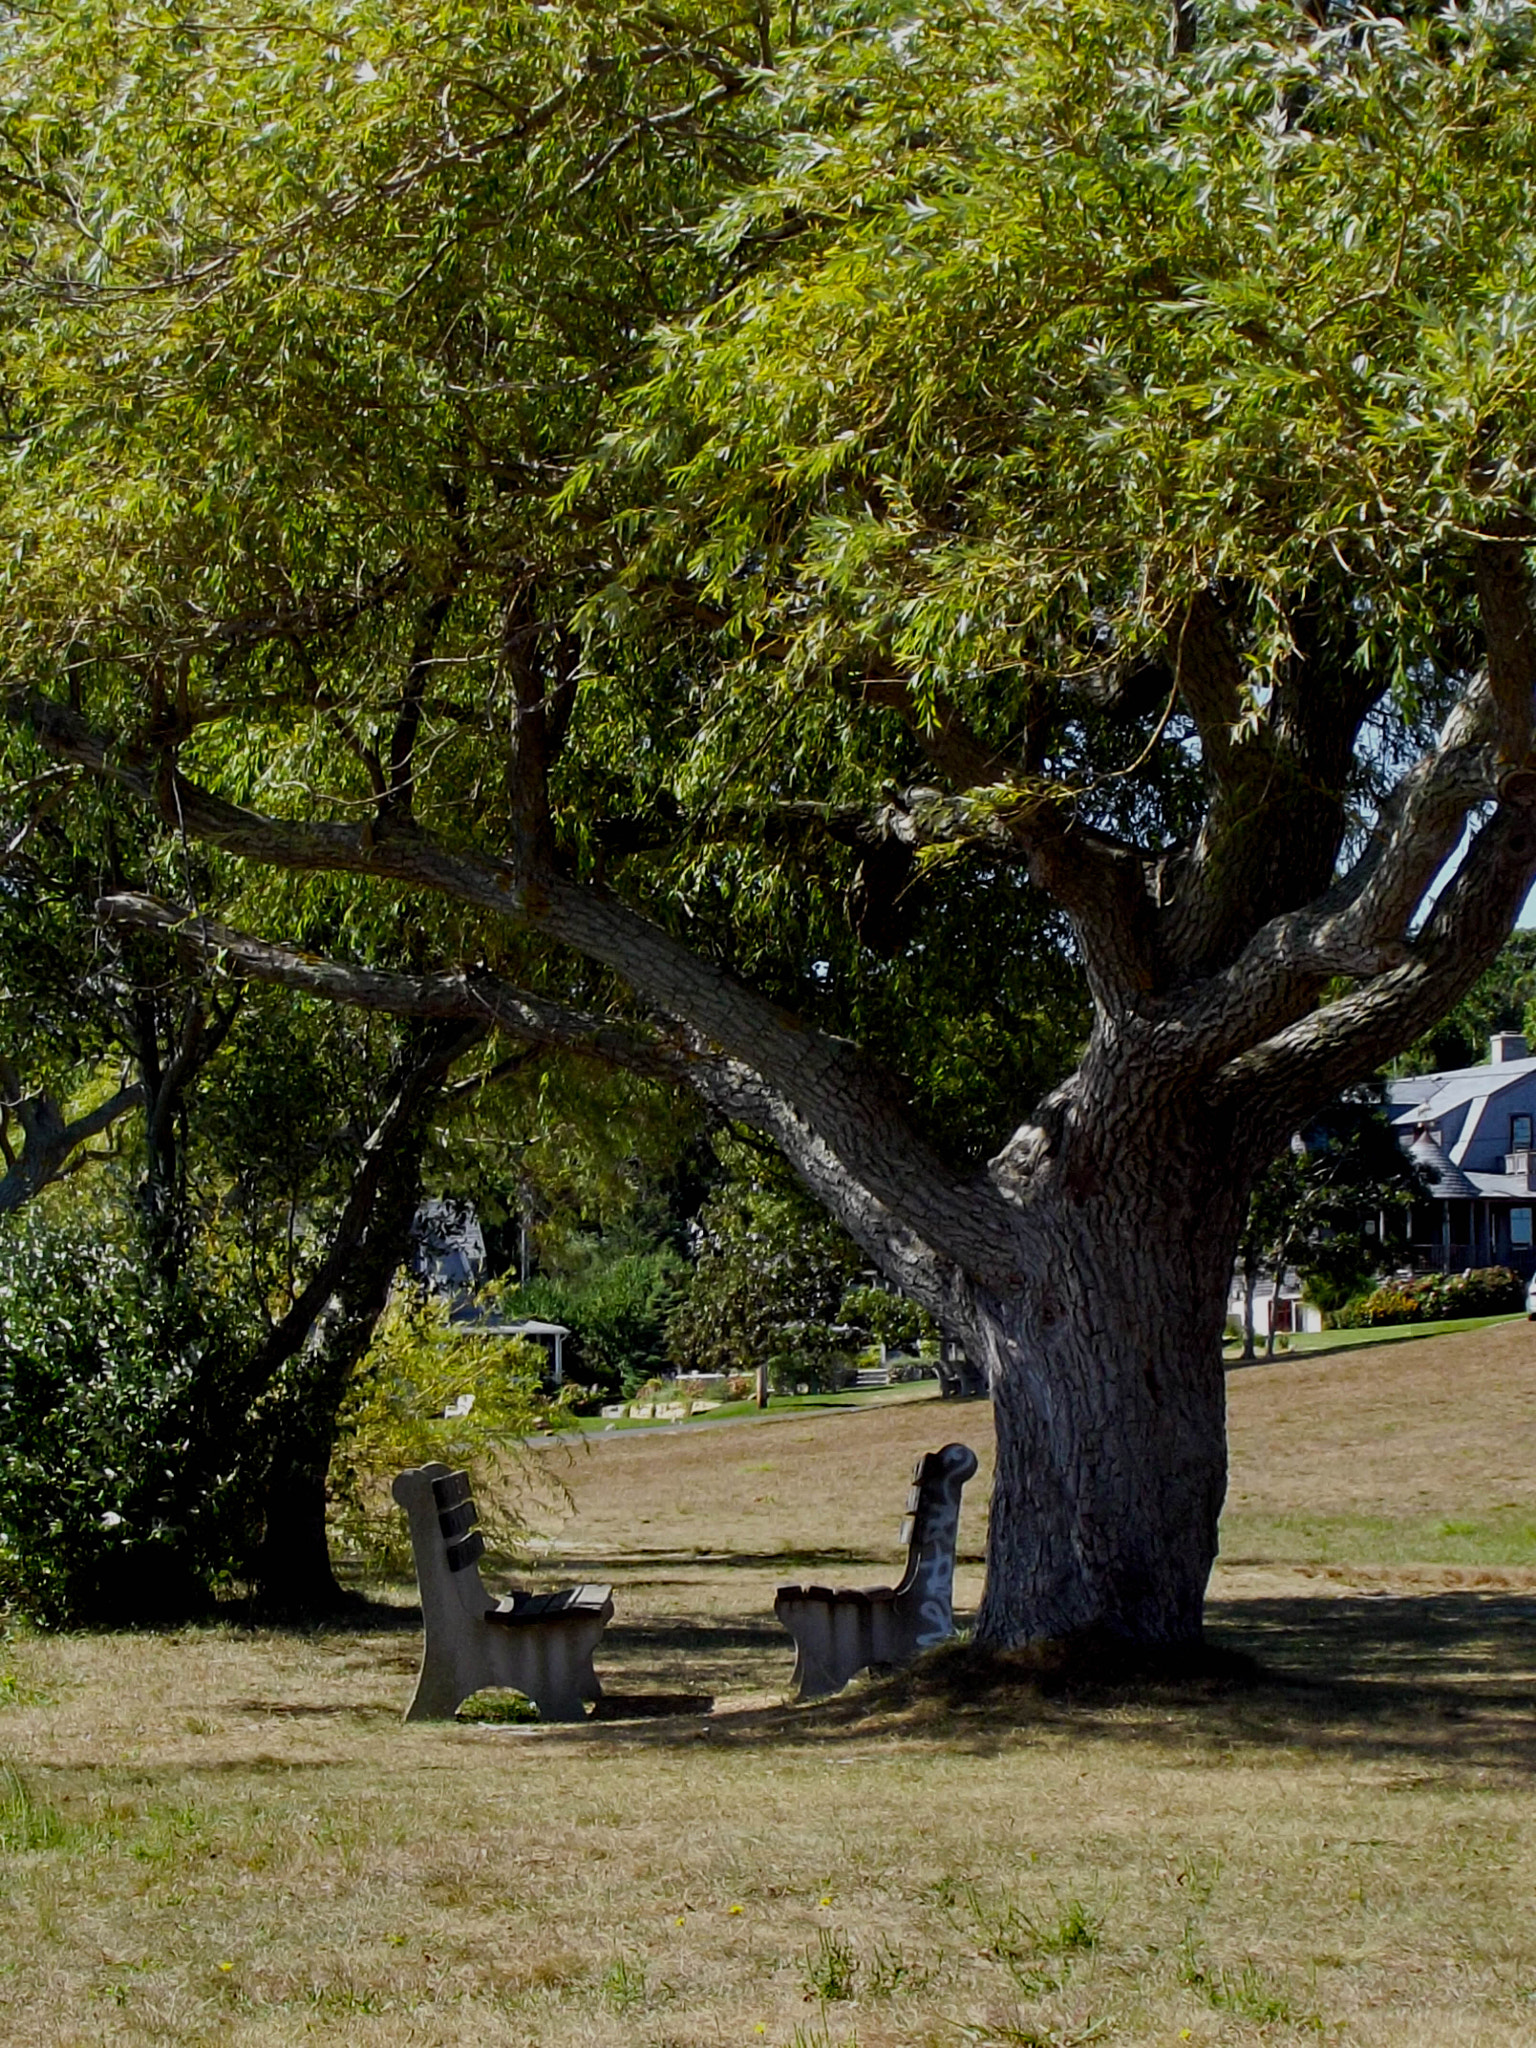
(222, 1836)
(1304, 1342)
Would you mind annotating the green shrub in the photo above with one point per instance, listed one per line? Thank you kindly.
(891, 1319)
(122, 1427)
(617, 1313)
(816, 1356)
(418, 1367)
(1484, 1291)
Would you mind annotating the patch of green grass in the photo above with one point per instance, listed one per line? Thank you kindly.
(26, 1822)
(780, 1406)
(497, 1706)
(19, 1691)
(1246, 1993)
(1306, 1342)
(888, 1973)
(1498, 1538)
(624, 1985)
(831, 1967)
(1036, 1948)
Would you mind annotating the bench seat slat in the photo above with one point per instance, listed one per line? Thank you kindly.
(522, 1606)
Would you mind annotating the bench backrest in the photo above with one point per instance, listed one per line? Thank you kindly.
(931, 1531)
(445, 1536)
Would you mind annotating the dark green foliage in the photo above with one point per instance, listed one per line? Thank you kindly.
(1485, 1291)
(812, 1358)
(120, 1437)
(888, 1317)
(770, 1279)
(617, 1311)
(1503, 999)
(1318, 1207)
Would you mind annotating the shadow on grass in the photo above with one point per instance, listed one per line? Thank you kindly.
(788, 1565)
(357, 1615)
(689, 1636)
(1441, 1684)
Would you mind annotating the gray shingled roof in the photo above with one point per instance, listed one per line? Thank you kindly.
(1450, 1183)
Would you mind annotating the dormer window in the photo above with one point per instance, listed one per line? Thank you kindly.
(1520, 1134)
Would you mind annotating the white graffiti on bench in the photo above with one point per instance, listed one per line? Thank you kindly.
(839, 1633)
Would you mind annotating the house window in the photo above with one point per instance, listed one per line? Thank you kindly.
(1520, 1134)
(1519, 1230)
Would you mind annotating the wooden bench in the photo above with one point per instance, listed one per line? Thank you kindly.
(837, 1634)
(539, 1644)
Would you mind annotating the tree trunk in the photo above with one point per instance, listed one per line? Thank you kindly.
(316, 1349)
(1250, 1289)
(1110, 1404)
(293, 1579)
(292, 1574)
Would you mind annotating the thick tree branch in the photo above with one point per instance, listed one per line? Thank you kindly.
(420, 1077)
(1275, 817)
(1100, 885)
(1209, 679)
(733, 1088)
(1509, 634)
(50, 1141)
(1362, 925)
(540, 666)
(400, 790)
(1330, 1048)
(475, 998)
(851, 1109)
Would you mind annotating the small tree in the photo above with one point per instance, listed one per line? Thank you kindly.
(428, 1392)
(1320, 1208)
(769, 1279)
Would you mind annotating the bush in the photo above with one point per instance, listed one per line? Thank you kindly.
(816, 1356)
(891, 1319)
(122, 1428)
(1483, 1291)
(617, 1314)
(418, 1367)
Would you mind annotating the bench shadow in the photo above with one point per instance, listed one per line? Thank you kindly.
(686, 1636)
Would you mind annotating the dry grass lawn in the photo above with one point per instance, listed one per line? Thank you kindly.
(227, 1835)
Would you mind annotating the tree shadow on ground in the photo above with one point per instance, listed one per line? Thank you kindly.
(631, 1564)
(356, 1615)
(1443, 1684)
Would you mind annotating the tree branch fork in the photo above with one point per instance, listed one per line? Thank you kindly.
(1251, 1028)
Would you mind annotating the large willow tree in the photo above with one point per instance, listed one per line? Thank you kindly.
(741, 546)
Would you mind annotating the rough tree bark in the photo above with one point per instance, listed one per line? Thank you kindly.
(1087, 1264)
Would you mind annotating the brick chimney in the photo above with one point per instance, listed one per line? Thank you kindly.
(1505, 1046)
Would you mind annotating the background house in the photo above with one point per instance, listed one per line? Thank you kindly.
(1472, 1128)
(447, 1256)
(1277, 1305)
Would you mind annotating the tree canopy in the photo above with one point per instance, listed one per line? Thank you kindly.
(786, 541)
